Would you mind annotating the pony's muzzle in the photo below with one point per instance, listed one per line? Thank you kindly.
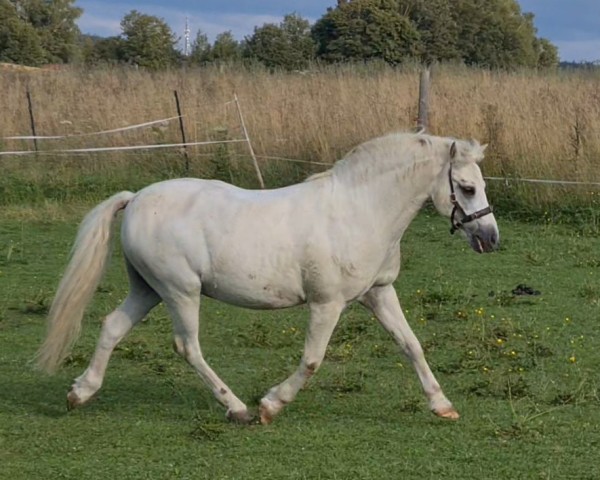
(485, 240)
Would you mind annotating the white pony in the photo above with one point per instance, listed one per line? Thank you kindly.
(326, 242)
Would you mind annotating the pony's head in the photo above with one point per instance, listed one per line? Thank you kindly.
(459, 193)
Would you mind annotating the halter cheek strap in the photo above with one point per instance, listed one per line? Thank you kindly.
(456, 225)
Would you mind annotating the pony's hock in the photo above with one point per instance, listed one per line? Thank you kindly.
(329, 241)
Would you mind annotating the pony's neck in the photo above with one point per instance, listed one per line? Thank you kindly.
(392, 189)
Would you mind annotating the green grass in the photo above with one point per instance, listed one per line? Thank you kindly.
(522, 371)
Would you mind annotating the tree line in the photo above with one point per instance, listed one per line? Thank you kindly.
(488, 33)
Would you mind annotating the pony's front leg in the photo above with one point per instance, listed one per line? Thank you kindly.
(384, 303)
(323, 319)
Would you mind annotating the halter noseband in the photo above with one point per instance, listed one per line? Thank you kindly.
(467, 218)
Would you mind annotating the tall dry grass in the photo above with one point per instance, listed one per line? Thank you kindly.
(540, 125)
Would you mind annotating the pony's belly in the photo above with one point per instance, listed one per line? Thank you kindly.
(266, 296)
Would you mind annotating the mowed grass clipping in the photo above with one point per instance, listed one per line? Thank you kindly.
(521, 369)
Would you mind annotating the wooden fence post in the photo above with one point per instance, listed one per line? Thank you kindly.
(256, 167)
(423, 116)
(32, 120)
(185, 152)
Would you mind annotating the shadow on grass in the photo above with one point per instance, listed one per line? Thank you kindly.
(45, 396)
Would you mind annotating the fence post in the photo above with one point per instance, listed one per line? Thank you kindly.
(32, 120)
(423, 116)
(258, 174)
(185, 152)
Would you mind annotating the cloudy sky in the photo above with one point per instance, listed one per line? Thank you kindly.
(572, 25)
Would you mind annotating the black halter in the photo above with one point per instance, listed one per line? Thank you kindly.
(456, 225)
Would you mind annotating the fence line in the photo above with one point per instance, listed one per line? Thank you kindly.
(422, 124)
(543, 181)
(507, 180)
(102, 132)
(114, 149)
(503, 179)
(269, 157)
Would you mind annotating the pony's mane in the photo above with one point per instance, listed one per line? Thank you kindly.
(381, 155)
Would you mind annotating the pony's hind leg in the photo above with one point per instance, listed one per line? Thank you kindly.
(140, 300)
(184, 310)
(323, 319)
(384, 303)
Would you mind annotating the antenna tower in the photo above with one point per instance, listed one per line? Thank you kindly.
(186, 39)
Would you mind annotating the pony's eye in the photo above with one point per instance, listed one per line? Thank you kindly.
(468, 191)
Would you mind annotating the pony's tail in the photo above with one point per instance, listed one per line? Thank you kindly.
(89, 257)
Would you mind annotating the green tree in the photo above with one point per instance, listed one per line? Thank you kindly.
(108, 50)
(19, 41)
(148, 41)
(55, 23)
(489, 33)
(495, 34)
(287, 46)
(225, 49)
(547, 54)
(438, 28)
(365, 30)
(32, 25)
(201, 50)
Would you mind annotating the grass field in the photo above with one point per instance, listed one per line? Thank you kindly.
(522, 371)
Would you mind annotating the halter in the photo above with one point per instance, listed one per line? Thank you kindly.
(467, 218)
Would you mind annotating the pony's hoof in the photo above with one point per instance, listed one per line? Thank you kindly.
(242, 417)
(269, 408)
(73, 401)
(266, 417)
(448, 413)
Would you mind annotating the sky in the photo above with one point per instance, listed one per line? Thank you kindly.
(572, 25)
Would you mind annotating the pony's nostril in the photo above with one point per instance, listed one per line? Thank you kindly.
(494, 239)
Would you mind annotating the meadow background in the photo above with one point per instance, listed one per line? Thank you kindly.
(538, 125)
(522, 370)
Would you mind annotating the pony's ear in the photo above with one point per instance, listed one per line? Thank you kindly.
(453, 150)
(484, 146)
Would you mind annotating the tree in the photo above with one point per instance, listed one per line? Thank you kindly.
(365, 30)
(19, 42)
(437, 27)
(287, 46)
(201, 50)
(495, 34)
(55, 23)
(39, 31)
(547, 54)
(225, 49)
(488, 33)
(108, 50)
(148, 41)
